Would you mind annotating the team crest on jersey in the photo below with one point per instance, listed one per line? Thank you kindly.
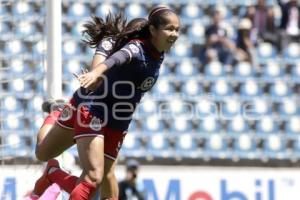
(95, 124)
(134, 48)
(147, 84)
(66, 114)
(107, 45)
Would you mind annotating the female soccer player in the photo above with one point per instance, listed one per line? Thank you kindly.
(116, 25)
(100, 117)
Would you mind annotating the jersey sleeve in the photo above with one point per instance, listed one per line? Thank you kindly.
(126, 54)
(105, 47)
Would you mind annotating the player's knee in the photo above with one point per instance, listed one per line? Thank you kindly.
(109, 176)
(40, 155)
(95, 176)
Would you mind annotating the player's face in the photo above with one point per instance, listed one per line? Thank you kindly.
(165, 36)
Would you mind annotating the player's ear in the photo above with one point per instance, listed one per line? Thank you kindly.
(152, 30)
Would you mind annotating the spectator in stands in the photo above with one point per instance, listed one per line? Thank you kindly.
(128, 188)
(104, 119)
(290, 22)
(218, 46)
(103, 49)
(263, 23)
(245, 49)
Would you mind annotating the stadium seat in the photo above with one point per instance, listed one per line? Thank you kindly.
(295, 72)
(104, 8)
(13, 122)
(36, 121)
(35, 104)
(69, 87)
(214, 70)
(209, 125)
(180, 125)
(14, 47)
(292, 126)
(257, 108)
(21, 88)
(25, 29)
(280, 90)
(230, 108)
(181, 49)
(153, 124)
(275, 147)
(78, 11)
(147, 107)
(272, 71)
(221, 89)
(186, 146)
(216, 147)
(132, 146)
(266, 125)
(177, 107)
(158, 146)
(4, 29)
(250, 89)
(15, 146)
(237, 125)
(164, 70)
(266, 52)
(196, 32)
(243, 71)
(77, 29)
(22, 9)
(163, 88)
(244, 147)
(71, 49)
(191, 88)
(72, 66)
(11, 104)
(191, 12)
(291, 54)
(185, 69)
(206, 108)
(19, 67)
(288, 108)
(135, 10)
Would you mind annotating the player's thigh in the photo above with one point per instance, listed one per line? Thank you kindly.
(56, 139)
(91, 155)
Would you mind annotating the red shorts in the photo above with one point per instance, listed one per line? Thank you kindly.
(85, 124)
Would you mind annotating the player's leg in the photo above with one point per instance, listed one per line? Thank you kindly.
(109, 188)
(91, 155)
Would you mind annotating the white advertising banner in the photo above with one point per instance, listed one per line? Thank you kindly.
(183, 183)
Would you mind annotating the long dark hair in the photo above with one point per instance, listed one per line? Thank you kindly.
(156, 18)
(98, 28)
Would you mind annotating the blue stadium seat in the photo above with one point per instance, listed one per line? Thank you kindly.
(221, 89)
(292, 126)
(25, 29)
(19, 67)
(71, 49)
(177, 107)
(35, 104)
(267, 125)
(244, 147)
(209, 125)
(22, 9)
(250, 89)
(191, 88)
(36, 121)
(275, 147)
(266, 52)
(237, 125)
(163, 88)
(132, 146)
(15, 146)
(288, 108)
(153, 124)
(77, 11)
(257, 108)
(291, 54)
(191, 12)
(11, 104)
(230, 108)
(69, 87)
(243, 71)
(185, 69)
(272, 71)
(147, 107)
(104, 8)
(21, 88)
(280, 90)
(186, 146)
(13, 121)
(196, 33)
(164, 70)
(158, 146)
(216, 147)
(72, 66)
(5, 30)
(296, 147)
(214, 70)
(40, 48)
(135, 10)
(206, 108)
(14, 47)
(180, 125)
(77, 29)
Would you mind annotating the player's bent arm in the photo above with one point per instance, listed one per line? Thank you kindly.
(97, 59)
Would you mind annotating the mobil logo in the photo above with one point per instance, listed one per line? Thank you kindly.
(259, 190)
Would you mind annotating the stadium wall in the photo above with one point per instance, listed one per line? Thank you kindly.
(183, 183)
